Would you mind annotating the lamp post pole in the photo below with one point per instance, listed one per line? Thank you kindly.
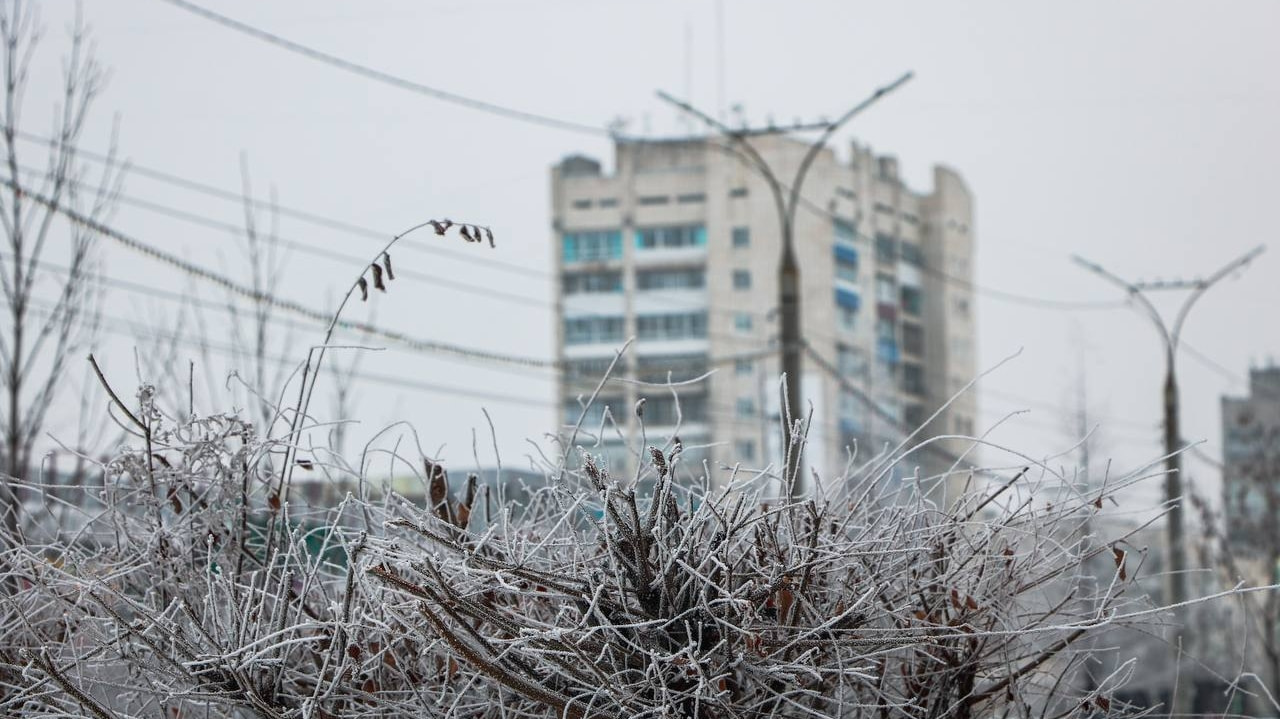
(1175, 544)
(786, 199)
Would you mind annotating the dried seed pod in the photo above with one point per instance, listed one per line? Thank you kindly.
(640, 408)
(659, 461)
(489, 233)
(466, 234)
(439, 228)
(364, 289)
(377, 277)
(386, 265)
(593, 471)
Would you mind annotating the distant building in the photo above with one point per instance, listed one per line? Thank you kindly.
(1251, 464)
(679, 248)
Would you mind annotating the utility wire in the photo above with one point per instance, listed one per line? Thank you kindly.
(486, 291)
(312, 218)
(135, 330)
(373, 234)
(423, 345)
(387, 78)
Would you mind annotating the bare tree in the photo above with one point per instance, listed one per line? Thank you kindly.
(47, 313)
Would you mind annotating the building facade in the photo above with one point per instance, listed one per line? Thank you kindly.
(679, 249)
(1251, 465)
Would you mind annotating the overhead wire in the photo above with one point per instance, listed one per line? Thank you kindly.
(194, 270)
(387, 78)
(483, 291)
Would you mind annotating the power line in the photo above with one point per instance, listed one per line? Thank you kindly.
(134, 330)
(430, 346)
(387, 78)
(312, 218)
(338, 225)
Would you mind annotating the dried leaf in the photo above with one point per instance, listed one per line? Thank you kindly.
(438, 487)
(364, 289)
(386, 265)
(1120, 554)
(1097, 503)
(304, 463)
(274, 502)
(1103, 703)
(785, 600)
(970, 603)
(466, 234)
(489, 234)
(377, 276)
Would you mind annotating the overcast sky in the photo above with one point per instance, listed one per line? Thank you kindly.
(1141, 135)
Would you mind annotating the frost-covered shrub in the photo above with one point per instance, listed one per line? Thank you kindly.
(194, 586)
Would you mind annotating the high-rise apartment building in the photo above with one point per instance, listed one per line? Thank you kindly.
(1251, 464)
(679, 248)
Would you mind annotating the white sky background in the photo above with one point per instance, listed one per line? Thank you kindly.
(1140, 135)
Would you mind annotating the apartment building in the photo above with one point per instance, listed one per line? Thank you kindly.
(678, 247)
(1251, 466)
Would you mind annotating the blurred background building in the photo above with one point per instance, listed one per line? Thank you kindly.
(1251, 465)
(679, 247)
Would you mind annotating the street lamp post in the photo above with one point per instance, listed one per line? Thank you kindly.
(786, 200)
(1175, 546)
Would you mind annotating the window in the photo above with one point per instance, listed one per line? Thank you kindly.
(910, 253)
(742, 321)
(846, 193)
(850, 361)
(911, 301)
(742, 367)
(607, 202)
(912, 378)
(680, 279)
(886, 248)
(886, 329)
(912, 339)
(654, 200)
(745, 450)
(652, 238)
(742, 279)
(846, 231)
(738, 192)
(741, 237)
(913, 415)
(962, 306)
(846, 263)
(662, 410)
(964, 426)
(745, 407)
(592, 368)
(691, 325)
(592, 246)
(886, 290)
(594, 413)
(590, 282)
(691, 198)
(590, 330)
(848, 318)
(582, 204)
(677, 368)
